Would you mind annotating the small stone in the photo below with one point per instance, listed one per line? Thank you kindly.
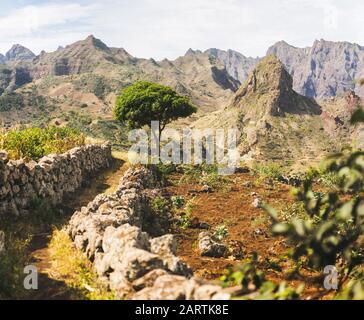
(257, 203)
(206, 188)
(4, 156)
(164, 245)
(209, 247)
(248, 184)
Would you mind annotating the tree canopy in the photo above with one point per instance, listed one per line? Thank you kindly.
(144, 101)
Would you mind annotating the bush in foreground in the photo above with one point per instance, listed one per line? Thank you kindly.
(34, 143)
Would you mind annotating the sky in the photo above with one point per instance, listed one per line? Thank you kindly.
(167, 28)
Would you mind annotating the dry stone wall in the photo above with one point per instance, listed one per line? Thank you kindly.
(115, 231)
(51, 178)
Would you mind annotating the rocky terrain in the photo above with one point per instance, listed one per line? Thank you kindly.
(276, 123)
(129, 247)
(52, 178)
(324, 70)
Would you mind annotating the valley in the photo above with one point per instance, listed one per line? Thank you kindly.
(108, 229)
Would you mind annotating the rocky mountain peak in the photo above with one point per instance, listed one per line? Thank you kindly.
(268, 76)
(237, 65)
(19, 53)
(191, 52)
(95, 43)
(269, 89)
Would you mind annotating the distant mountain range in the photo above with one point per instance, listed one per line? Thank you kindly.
(269, 100)
(324, 70)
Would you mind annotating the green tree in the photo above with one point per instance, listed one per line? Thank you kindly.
(143, 102)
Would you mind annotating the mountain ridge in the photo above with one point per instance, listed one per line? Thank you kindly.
(323, 70)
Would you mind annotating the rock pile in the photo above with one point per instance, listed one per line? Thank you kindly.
(209, 247)
(115, 233)
(51, 178)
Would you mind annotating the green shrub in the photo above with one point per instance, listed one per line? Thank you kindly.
(10, 101)
(185, 221)
(160, 206)
(34, 143)
(268, 171)
(12, 263)
(221, 232)
(178, 201)
(254, 285)
(204, 174)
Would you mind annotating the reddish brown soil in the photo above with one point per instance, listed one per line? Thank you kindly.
(246, 225)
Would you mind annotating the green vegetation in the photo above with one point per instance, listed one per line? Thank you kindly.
(12, 262)
(267, 171)
(18, 235)
(75, 269)
(323, 175)
(333, 231)
(185, 217)
(204, 174)
(178, 201)
(144, 102)
(9, 101)
(160, 206)
(221, 232)
(34, 143)
(254, 285)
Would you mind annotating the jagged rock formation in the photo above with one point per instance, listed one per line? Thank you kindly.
(18, 53)
(237, 65)
(269, 88)
(51, 178)
(324, 70)
(129, 248)
(2, 59)
(277, 124)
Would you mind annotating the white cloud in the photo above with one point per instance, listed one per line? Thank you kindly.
(167, 28)
(29, 23)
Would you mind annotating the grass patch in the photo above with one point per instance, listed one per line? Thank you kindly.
(12, 263)
(204, 174)
(18, 236)
(72, 266)
(266, 171)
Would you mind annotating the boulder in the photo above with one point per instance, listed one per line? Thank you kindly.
(135, 263)
(164, 245)
(167, 287)
(148, 279)
(209, 247)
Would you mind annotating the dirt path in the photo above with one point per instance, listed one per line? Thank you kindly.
(105, 182)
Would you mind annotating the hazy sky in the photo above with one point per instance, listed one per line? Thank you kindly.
(167, 28)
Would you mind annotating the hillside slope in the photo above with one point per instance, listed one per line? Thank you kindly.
(89, 74)
(276, 123)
